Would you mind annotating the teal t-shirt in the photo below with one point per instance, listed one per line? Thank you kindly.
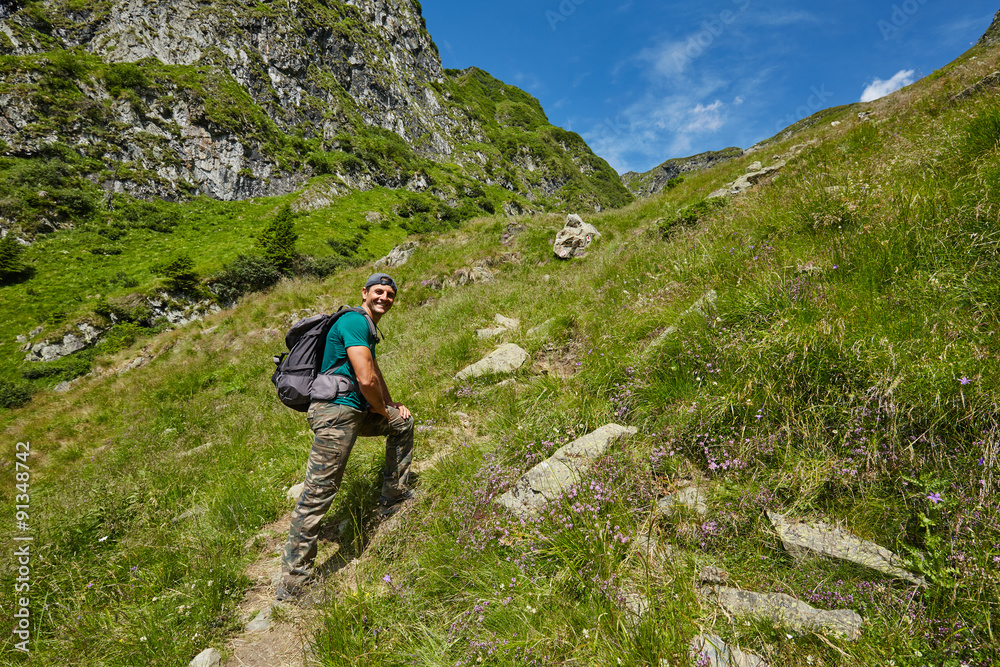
(350, 330)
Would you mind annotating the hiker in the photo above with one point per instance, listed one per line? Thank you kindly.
(364, 408)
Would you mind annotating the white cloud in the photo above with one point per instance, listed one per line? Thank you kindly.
(705, 118)
(879, 88)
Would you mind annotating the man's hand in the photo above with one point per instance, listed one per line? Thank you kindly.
(404, 412)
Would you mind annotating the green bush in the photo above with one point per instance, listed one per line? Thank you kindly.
(277, 241)
(247, 273)
(67, 368)
(125, 76)
(10, 258)
(180, 275)
(691, 215)
(13, 395)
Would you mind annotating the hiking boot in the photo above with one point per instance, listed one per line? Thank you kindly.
(389, 506)
(290, 593)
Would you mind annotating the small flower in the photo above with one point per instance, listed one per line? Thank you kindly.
(387, 579)
(142, 639)
(934, 498)
(964, 380)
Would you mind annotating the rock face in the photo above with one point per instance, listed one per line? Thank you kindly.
(656, 179)
(250, 99)
(68, 344)
(800, 539)
(549, 478)
(505, 359)
(720, 654)
(574, 238)
(987, 83)
(992, 35)
(785, 611)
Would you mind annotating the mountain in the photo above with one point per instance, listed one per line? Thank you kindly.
(657, 178)
(247, 98)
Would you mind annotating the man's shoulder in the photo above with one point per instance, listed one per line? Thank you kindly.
(352, 321)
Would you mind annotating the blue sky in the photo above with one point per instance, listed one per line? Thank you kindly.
(645, 81)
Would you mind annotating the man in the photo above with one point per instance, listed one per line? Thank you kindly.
(365, 408)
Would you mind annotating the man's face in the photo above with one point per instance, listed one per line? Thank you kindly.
(378, 298)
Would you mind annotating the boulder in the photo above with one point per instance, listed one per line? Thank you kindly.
(720, 654)
(207, 658)
(574, 238)
(548, 479)
(800, 539)
(505, 359)
(987, 83)
(786, 611)
(397, 256)
(504, 324)
(756, 166)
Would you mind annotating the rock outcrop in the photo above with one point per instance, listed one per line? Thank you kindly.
(801, 539)
(992, 35)
(756, 173)
(505, 359)
(551, 477)
(397, 256)
(657, 178)
(251, 99)
(720, 654)
(784, 610)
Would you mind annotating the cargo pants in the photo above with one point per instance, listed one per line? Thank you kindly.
(336, 428)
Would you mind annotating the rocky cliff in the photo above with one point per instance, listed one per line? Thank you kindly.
(657, 178)
(241, 98)
(992, 35)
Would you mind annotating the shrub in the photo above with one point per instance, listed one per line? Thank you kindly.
(13, 395)
(67, 368)
(247, 273)
(277, 241)
(125, 76)
(10, 257)
(180, 274)
(155, 216)
(691, 215)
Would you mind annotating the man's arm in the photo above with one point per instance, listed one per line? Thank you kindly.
(403, 411)
(371, 383)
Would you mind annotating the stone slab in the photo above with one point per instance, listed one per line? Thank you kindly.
(549, 478)
(505, 359)
(785, 611)
(721, 654)
(800, 538)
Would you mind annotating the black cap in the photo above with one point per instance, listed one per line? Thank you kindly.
(381, 279)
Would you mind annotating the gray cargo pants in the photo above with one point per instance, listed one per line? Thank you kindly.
(336, 428)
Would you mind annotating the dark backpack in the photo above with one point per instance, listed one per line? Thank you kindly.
(297, 377)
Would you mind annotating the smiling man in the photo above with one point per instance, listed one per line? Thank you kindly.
(362, 406)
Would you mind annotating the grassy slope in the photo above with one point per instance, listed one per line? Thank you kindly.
(850, 392)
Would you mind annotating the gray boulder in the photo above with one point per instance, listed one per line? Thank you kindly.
(207, 658)
(721, 654)
(548, 479)
(574, 239)
(261, 622)
(505, 359)
(801, 539)
(398, 256)
(295, 492)
(786, 611)
(504, 324)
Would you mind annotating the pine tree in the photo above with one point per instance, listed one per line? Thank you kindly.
(277, 241)
(10, 257)
(181, 276)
